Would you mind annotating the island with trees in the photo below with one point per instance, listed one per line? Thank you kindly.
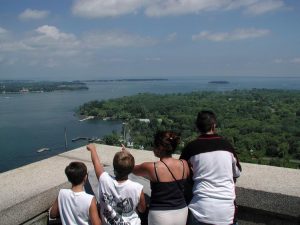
(263, 125)
(25, 86)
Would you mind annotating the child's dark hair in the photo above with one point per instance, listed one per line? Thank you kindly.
(168, 140)
(123, 163)
(205, 121)
(76, 172)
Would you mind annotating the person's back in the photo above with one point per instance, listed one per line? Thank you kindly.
(214, 164)
(119, 196)
(167, 185)
(119, 200)
(75, 206)
(167, 179)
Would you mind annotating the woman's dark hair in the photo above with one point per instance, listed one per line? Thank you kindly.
(205, 121)
(168, 140)
(76, 172)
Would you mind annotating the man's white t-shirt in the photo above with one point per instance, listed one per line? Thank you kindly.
(74, 207)
(214, 190)
(118, 201)
(215, 166)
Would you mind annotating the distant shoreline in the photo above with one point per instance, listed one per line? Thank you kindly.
(23, 87)
(120, 80)
(219, 82)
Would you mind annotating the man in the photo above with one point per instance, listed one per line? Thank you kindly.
(215, 166)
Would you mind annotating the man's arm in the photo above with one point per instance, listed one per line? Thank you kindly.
(54, 211)
(95, 159)
(235, 170)
(94, 215)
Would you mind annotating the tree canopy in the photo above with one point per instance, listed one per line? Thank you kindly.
(263, 125)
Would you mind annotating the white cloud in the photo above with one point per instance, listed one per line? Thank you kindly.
(261, 7)
(238, 34)
(173, 7)
(50, 47)
(51, 37)
(159, 8)
(295, 60)
(14, 46)
(116, 39)
(104, 8)
(3, 31)
(46, 46)
(54, 33)
(31, 14)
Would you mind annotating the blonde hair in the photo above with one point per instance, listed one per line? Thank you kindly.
(123, 163)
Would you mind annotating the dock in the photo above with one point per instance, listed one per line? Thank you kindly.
(89, 139)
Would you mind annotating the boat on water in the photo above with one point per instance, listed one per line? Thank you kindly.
(42, 150)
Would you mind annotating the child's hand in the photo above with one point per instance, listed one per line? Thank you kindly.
(91, 147)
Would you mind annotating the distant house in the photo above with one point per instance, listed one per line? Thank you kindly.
(144, 120)
(129, 144)
(24, 90)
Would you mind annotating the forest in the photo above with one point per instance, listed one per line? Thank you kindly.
(263, 125)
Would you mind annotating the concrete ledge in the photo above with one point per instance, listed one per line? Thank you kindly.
(264, 193)
(268, 195)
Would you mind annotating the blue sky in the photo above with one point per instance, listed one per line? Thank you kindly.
(103, 39)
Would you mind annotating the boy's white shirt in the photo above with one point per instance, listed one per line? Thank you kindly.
(118, 201)
(74, 207)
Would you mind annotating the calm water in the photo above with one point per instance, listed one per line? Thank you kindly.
(32, 121)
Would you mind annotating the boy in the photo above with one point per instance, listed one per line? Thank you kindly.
(119, 196)
(74, 205)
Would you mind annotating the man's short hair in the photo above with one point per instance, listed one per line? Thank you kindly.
(205, 121)
(123, 163)
(76, 172)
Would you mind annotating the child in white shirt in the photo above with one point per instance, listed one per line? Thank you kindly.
(119, 196)
(75, 206)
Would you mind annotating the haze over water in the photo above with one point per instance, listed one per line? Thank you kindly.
(37, 120)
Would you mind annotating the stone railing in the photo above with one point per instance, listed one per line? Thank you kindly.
(265, 194)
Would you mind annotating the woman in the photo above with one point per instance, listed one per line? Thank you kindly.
(167, 179)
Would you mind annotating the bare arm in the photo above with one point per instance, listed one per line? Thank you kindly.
(186, 168)
(54, 211)
(142, 204)
(95, 159)
(143, 170)
(94, 216)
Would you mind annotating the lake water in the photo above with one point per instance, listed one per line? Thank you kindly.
(32, 121)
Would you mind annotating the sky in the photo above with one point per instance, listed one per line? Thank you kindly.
(112, 39)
